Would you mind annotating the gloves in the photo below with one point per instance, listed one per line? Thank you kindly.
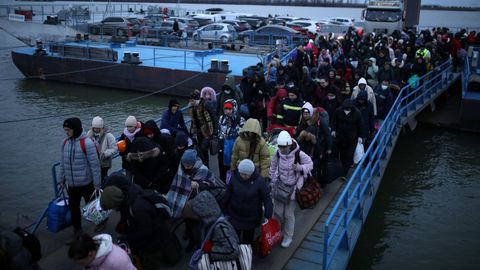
(333, 133)
(360, 141)
(195, 185)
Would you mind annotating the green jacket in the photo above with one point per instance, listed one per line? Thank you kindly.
(241, 148)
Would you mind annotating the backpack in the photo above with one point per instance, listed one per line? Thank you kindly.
(30, 242)
(82, 146)
(158, 201)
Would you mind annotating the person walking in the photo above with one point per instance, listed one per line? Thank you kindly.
(290, 167)
(79, 169)
(106, 145)
(246, 196)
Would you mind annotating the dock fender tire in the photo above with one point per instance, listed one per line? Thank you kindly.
(224, 39)
(121, 32)
(246, 39)
(196, 37)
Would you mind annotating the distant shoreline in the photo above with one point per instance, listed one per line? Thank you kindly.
(265, 2)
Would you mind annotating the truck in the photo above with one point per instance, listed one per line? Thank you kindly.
(388, 16)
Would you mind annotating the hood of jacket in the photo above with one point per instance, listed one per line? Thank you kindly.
(235, 106)
(229, 82)
(206, 207)
(171, 103)
(106, 246)
(152, 125)
(252, 125)
(374, 61)
(362, 81)
(281, 94)
(210, 90)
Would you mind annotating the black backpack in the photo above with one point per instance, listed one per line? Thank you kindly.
(30, 242)
(158, 201)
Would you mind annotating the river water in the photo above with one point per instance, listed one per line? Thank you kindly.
(425, 216)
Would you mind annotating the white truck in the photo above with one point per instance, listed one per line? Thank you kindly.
(388, 16)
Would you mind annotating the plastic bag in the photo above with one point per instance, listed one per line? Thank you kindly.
(93, 212)
(359, 151)
(58, 213)
(227, 151)
(270, 236)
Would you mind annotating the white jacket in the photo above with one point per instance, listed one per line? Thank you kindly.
(370, 94)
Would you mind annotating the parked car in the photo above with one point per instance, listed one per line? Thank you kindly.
(255, 22)
(269, 34)
(239, 25)
(342, 21)
(165, 27)
(190, 24)
(119, 26)
(309, 25)
(300, 28)
(216, 32)
(156, 18)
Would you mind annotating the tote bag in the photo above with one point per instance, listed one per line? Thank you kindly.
(58, 213)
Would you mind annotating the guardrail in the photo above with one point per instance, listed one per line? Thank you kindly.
(350, 203)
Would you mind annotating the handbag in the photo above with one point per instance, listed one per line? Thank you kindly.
(309, 195)
(58, 213)
(93, 212)
(270, 236)
(283, 192)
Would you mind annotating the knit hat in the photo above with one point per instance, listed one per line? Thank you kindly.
(246, 166)
(189, 157)
(291, 88)
(181, 139)
(131, 121)
(111, 198)
(228, 105)
(284, 139)
(165, 131)
(74, 124)
(97, 122)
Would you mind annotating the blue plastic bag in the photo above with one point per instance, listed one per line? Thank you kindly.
(227, 151)
(58, 214)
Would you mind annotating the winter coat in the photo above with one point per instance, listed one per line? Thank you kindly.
(224, 239)
(229, 125)
(125, 164)
(348, 127)
(275, 104)
(321, 130)
(281, 168)
(173, 122)
(291, 111)
(233, 93)
(142, 227)
(110, 256)
(241, 148)
(372, 73)
(370, 94)
(212, 103)
(384, 99)
(203, 121)
(78, 168)
(366, 110)
(107, 146)
(244, 200)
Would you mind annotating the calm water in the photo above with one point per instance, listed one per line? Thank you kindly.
(426, 214)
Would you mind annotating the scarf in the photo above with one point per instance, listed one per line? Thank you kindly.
(129, 134)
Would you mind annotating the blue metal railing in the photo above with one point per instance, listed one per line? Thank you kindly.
(350, 202)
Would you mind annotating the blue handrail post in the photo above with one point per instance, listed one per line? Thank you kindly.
(154, 57)
(325, 248)
(184, 59)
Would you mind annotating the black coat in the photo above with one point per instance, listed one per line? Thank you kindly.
(243, 201)
(349, 127)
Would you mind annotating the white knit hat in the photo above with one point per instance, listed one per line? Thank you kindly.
(97, 122)
(284, 139)
(131, 121)
(309, 107)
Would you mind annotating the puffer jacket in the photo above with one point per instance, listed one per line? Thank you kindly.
(110, 256)
(370, 94)
(107, 146)
(76, 167)
(241, 148)
(224, 240)
(281, 169)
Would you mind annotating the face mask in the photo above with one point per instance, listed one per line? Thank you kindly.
(384, 87)
(227, 91)
(354, 64)
(331, 97)
(96, 134)
(347, 111)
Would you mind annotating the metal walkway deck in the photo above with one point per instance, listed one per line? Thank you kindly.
(332, 240)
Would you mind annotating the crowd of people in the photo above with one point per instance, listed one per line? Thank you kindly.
(331, 95)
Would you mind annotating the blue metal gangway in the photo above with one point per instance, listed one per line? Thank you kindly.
(331, 241)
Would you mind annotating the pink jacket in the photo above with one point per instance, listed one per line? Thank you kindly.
(110, 256)
(281, 168)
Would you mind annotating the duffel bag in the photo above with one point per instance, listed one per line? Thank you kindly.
(309, 195)
(58, 213)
